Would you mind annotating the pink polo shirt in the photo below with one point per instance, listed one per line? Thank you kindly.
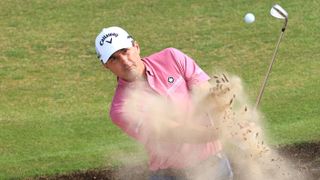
(171, 74)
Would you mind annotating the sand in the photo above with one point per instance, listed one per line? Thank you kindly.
(238, 123)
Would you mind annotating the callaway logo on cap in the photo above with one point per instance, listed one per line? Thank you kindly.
(111, 40)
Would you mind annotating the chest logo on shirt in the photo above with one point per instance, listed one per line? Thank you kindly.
(170, 79)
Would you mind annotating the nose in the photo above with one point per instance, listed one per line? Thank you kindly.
(124, 60)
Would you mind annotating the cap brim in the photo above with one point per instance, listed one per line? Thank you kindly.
(105, 57)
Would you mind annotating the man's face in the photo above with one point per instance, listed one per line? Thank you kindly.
(126, 63)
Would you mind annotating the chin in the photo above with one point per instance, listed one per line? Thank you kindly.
(132, 76)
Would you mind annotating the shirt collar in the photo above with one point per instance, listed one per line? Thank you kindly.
(148, 69)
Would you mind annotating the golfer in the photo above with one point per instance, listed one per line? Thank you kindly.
(173, 75)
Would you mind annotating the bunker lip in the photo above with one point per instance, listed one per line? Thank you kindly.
(306, 157)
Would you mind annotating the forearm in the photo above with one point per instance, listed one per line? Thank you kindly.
(191, 133)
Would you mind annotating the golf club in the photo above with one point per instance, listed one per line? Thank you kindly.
(278, 12)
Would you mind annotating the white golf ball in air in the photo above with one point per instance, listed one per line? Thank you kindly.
(249, 18)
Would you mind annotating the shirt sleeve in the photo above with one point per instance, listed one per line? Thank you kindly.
(130, 126)
(192, 73)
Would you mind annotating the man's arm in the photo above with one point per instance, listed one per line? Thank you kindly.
(158, 120)
(186, 133)
(190, 132)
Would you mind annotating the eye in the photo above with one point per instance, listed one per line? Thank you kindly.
(124, 50)
(112, 58)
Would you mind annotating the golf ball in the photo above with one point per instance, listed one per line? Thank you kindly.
(249, 18)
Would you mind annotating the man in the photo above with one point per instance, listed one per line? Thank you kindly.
(173, 75)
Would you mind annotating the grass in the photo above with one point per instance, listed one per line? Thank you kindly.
(55, 94)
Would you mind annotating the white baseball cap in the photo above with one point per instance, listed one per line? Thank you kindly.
(110, 40)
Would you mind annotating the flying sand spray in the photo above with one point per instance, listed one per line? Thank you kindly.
(237, 121)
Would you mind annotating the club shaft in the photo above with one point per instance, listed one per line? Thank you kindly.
(269, 70)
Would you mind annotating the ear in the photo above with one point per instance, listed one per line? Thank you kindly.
(136, 45)
(105, 66)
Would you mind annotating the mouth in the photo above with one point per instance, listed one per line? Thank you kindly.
(129, 68)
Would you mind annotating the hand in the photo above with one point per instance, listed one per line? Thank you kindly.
(221, 92)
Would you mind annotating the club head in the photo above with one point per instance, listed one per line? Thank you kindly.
(278, 12)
